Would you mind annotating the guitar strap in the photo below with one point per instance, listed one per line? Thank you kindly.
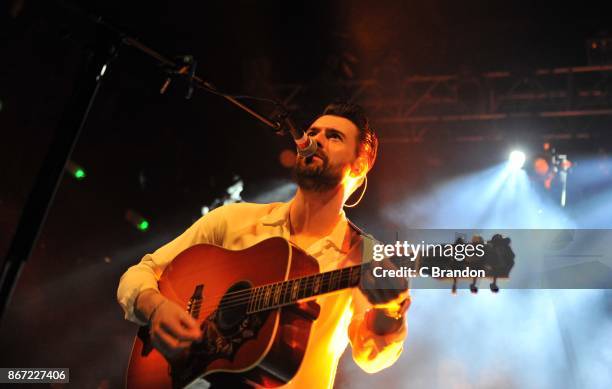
(361, 244)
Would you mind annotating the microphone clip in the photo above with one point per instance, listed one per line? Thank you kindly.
(186, 67)
(280, 118)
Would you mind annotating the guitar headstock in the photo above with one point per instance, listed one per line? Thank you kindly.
(493, 259)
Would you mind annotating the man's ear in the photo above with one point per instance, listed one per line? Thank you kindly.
(359, 167)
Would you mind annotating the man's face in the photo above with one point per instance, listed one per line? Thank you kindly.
(336, 139)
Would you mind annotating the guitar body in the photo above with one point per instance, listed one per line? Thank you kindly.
(264, 348)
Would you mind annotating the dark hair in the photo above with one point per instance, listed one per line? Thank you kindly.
(368, 142)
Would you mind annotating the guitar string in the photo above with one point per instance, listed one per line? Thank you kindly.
(244, 296)
(243, 292)
(326, 275)
(259, 303)
(310, 280)
(246, 292)
(247, 295)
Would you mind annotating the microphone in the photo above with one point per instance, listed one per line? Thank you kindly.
(306, 146)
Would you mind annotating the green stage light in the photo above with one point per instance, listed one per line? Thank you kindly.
(79, 174)
(75, 170)
(143, 225)
(137, 220)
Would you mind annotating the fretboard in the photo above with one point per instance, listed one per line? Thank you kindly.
(288, 292)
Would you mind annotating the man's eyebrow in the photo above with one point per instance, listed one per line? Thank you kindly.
(324, 128)
(330, 129)
(335, 130)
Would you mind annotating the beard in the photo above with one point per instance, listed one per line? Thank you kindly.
(316, 176)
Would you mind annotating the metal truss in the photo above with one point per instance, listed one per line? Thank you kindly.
(560, 103)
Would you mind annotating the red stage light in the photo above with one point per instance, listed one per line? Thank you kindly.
(287, 158)
(540, 166)
(548, 182)
(566, 164)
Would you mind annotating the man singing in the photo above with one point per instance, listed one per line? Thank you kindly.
(369, 317)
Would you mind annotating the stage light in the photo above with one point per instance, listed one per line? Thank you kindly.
(79, 174)
(517, 159)
(137, 220)
(233, 195)
(287, 158)
(75, 170)
(540, 166)
(566, 164)
(143, 225)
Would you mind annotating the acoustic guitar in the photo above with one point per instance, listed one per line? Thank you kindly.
(255, 308)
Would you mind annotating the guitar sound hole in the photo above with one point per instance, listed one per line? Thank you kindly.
(233, 308)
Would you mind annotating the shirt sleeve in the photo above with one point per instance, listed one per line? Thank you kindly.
(210, 229)
(372, 352)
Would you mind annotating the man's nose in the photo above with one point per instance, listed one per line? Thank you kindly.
(320, 139)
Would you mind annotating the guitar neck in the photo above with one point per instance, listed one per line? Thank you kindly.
(288, 292)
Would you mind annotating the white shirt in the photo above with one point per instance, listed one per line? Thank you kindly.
(341, 320)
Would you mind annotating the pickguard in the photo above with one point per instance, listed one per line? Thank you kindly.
(217, 344)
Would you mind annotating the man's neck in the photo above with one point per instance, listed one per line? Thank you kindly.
(315, 214)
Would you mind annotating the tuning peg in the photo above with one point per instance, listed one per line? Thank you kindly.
(493, 285)
(477, 239)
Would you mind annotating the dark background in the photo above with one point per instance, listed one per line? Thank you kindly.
(166, 157)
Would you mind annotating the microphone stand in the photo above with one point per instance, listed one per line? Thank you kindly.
(98, 59)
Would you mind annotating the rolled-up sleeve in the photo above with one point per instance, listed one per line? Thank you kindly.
(145, 275)
(372, 352)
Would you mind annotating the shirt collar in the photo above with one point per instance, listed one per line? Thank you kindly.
(280, 216)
